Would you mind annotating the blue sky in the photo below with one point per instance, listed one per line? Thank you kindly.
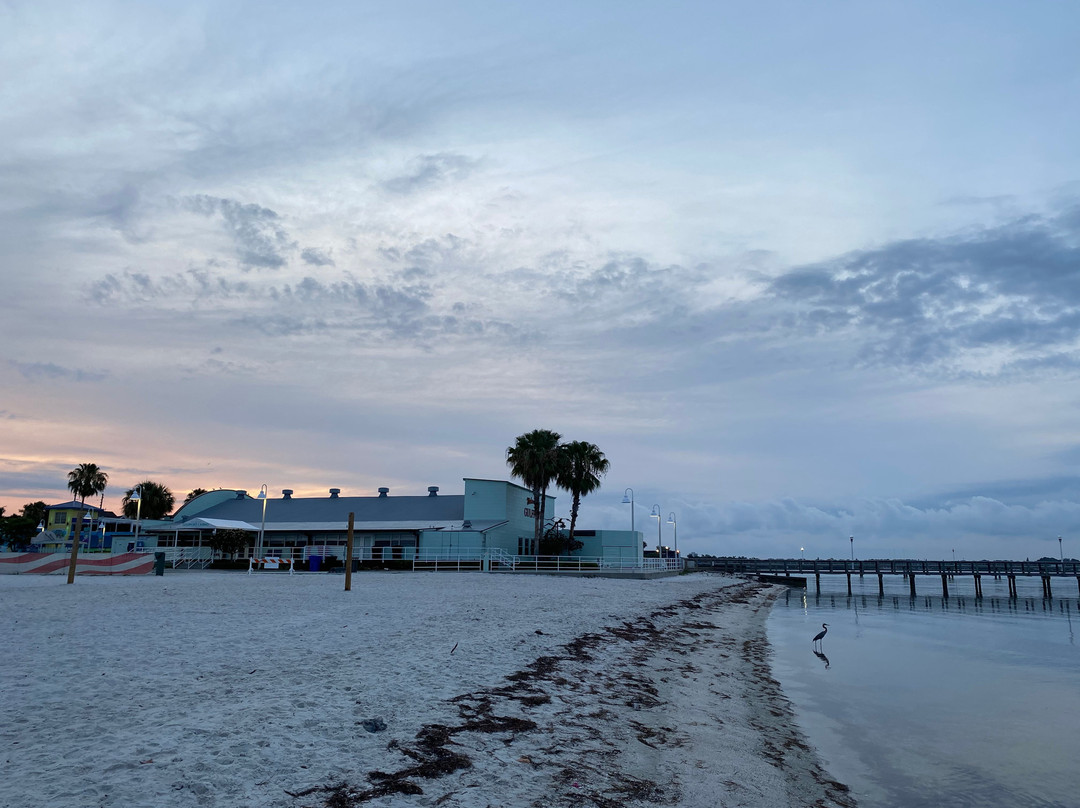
(802, 270)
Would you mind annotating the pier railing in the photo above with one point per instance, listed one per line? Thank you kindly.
(886, 566)
(907, 567)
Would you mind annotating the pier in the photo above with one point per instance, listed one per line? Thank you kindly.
(906, 567)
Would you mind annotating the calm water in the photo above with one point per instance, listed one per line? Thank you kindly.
(933, 702)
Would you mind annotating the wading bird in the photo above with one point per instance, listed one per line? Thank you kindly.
(821, 634)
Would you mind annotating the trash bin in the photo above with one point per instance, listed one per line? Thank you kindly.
(159, 563)
(314, 563)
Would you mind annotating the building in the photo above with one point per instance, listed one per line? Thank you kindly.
(99, 527)
(490, 516)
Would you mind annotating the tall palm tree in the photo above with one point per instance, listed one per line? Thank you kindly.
(157, 501)
(86, 481)
(581, 466)
(534, 459)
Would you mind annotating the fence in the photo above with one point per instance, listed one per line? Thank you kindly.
(95, 564)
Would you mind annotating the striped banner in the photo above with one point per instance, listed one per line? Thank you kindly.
(93, 564)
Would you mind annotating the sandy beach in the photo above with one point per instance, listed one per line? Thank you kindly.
(413, 689)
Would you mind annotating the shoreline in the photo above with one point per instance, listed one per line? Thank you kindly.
(652, 737)
(417, 689)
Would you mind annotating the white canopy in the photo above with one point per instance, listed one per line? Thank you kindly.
(200, 523)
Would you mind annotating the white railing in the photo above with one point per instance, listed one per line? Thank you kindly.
(474, 558)
(188, 558)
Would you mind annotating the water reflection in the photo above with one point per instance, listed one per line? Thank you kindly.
(823, 658)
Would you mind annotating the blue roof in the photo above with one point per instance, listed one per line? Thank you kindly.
(420, 509)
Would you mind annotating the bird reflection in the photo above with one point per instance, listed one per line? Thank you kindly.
(823, 658)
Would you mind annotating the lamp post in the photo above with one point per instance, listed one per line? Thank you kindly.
(802, 553)
(675, 534)
(628, 499)
(262, 528)
(90, 530)
(656, 513)
(852, 539)
(136, 496)
(1061, 554)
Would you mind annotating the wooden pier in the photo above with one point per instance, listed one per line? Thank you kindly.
(908, 568)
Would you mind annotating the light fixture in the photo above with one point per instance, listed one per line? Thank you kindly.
(136, 497)
(628, 499)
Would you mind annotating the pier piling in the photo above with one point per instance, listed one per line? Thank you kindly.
(1012, 585)
(849, 584)
(945, 585)
(881, 584)
(978, 585)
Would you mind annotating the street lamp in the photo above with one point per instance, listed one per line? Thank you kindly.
(802, 553)
(628, 499)
(262, 496)
(852, 538)
(1061, 553)
(656, 513)
(675, 533)
(136, 497)
(90, 530)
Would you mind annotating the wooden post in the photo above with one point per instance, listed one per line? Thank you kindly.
(817, 580)
(348, 553)
(911, 583)
(978, 585)
(881, 584)
(944, 586)
(1012, 584)
(849, 583)
(75, 548)
(1046, 586)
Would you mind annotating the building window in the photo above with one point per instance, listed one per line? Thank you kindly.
(60, 518)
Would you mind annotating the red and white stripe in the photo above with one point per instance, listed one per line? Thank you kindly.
(276, 560)
(95, 564)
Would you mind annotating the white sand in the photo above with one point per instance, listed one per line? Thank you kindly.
(220, 689)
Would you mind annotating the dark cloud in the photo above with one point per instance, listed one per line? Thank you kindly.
(310, 306)
(430, 170)
(184, 289)
(317, 258)
(1012, 289)
(47, 371)
(256, 231)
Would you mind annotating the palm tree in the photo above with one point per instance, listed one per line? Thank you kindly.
(86, 481)
(534, 459)
(581, 467)
(157, 501)
(195, 492)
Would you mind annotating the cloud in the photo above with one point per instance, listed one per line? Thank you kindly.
(882, 527)
(47, 371)
(315, 257)
(430, 170)
(257, 234)
(991, 302)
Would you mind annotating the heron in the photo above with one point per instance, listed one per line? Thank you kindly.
(821, 634)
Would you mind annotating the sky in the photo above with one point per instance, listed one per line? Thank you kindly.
(803, 271)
